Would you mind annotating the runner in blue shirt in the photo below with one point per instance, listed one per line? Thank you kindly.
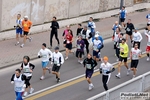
(123, 14)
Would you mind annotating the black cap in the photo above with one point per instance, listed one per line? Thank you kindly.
(121, 34)
(44, 44)
(124, 39)
(56, 48)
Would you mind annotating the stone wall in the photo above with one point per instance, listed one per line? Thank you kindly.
(42, 11)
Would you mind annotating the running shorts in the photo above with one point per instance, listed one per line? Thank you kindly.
(19, 31)
(56, 68)
(123, 59)
(134, 63)
(88, 73)
(69, 46)
(45, 64)
(96, 54)
(25, 33)
(79, 54)
(122, 19)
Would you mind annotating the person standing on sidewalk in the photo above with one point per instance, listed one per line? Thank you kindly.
(123, 14)
(26, 25)
(106, 69)
(86, 35)
(69, 40)
(46, 55)
(57, 61)
(54, 31)
(137, 38)
(124, 50)
(18, 28)
(129, 28)
(148, 19)
(114, 27)
(134, 56)
(27, 71)
(89, 64)
(147, 33)
(19, 83)
(92, 26)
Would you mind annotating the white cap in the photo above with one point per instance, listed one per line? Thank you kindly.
(96, 35)
(26, 17)
(97, 32)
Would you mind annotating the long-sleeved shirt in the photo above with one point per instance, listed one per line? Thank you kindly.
(80, 45)
(106, 67)
(92, 26)
(57, 58)
(125, 49)
(129, 28)
(54, 25)
(137, 37)
(45, 53)
(86, 34)
(89, 64)
(79, 31)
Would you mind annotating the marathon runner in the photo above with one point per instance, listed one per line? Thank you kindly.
(26, 25)
(46, 55)
(80, 49)
(114, 27)
(123, 14)
(89, 64)
(79, 29)
(27, 68)
(134, 56)
(92, 26)
(147, 33)
(148, 19)
(137, 38)
(105, 69)
(57, 61)
(18, 28)
(116, 37)
(124, 50)
(19, 83)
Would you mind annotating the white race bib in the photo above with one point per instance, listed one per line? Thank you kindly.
(26, 70)
(78, 46)
(18, 88)
(95, 48)
(83, 36)
(134, 56)
(88, 66)
(55, 62)
(68, 41)
(128, 29)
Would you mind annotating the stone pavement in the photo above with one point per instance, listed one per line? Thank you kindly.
(11, 54)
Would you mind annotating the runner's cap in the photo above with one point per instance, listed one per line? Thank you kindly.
(105, 58)
(56, 48)
(26, 17)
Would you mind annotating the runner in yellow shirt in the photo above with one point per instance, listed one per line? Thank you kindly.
(124, 50)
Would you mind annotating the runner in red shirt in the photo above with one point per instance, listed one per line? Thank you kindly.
(69, 40)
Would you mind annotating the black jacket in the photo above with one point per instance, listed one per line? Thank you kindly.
(90, 61)
(54, 25)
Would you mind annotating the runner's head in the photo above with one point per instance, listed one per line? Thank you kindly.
(121, 35)
(123, 7)
(135, 30)
(116, 22)
(54, 18)
(136, 46)
(89, 56)
(123, 41)
(79, 25)
(96, 36)
(91, 19)
(56, 49)
(43, 45)
(68, 27)
(18, 71)
(18, 16)
(118, 30)
(25, 18)
(80, 37)
(26, 59)
(105, 59)
(129, 21)
(85, 27)
(69, 32)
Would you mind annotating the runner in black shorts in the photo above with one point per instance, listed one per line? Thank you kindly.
(134, 56)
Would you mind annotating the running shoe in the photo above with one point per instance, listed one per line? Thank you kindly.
(49, 69)
(22, 45)
(118, 76)
(31, 90)
(58, 80)
(91, 87)
(30, 39)
(147, 58)
(17, 43)
(128, 72)
(66, 58)
(42, 78)
(25, 94)
(133, 76)
(78, 61)
(81, 62)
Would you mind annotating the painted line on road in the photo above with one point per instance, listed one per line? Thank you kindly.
(67, 83)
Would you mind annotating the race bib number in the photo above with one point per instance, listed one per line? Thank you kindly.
(78, 46)
(134, 56)
(44, 56)
(68, 41)
(95, 48)
(18, 88)
(88, 66)
(104, 71)
(83, 36)
(26, 70)
(55, 62)
(128, 29)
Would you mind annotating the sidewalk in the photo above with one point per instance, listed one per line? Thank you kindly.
(11, 54)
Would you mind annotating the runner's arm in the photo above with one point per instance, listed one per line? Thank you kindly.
(39, 54)
(140, 37)
(57, 25)
(21, 66)
(12, 78)
(62, 58)
(131, 54)
(31, 66)
(126, 49)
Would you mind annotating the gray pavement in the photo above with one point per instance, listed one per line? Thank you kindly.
(11, 54)
(69, 70)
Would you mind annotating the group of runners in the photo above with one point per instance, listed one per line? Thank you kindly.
(87, 38)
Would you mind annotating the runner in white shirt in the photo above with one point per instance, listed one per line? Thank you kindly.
(147, 33)
(19, 83)
(57, 61)
(137, 38)
(46, 55)
(105, 69)
(148, 19)
(134, 56)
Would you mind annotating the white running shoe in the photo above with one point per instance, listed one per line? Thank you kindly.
(17, 43)
(22, 45)
(147, 58)
(117, 60)
(118, 76)
(91, 86)
(81, 62)
(133, 76)
(66, 58)
(42, 78)
(78, 61)
(25, 94)
(128, 72)
(30, 39)
(31, 90)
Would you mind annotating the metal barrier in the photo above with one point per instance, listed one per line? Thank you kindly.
(138, 84)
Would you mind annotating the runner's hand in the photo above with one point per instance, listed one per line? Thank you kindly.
(39, 56)
(51, 63)
(108, 72)
(24, 85)
(12, 82)
(58, 64)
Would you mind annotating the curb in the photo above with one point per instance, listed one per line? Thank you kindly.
(34, 58)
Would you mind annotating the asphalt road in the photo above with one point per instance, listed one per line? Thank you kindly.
(77, 90)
